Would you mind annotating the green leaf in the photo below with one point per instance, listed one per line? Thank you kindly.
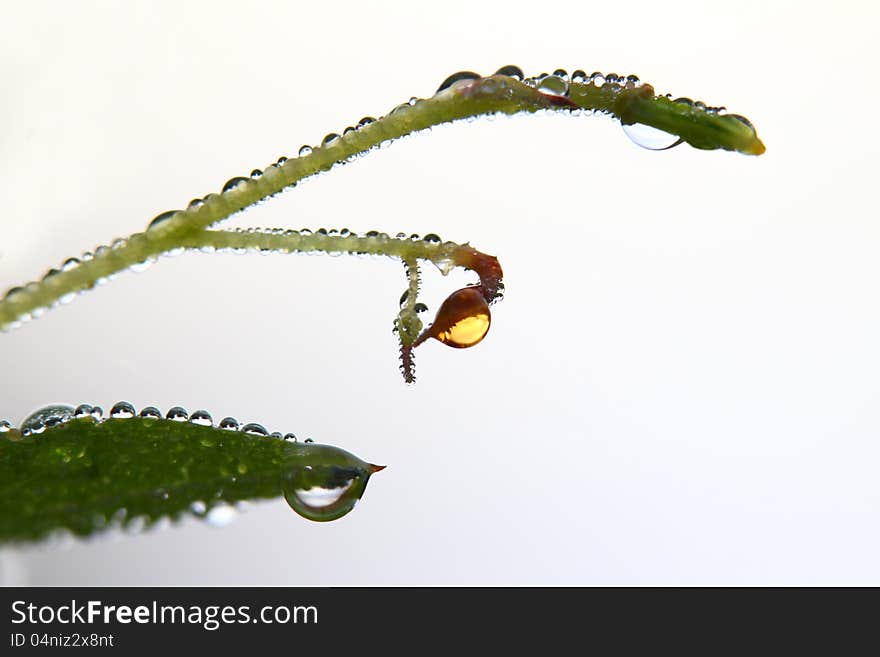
(85, 476)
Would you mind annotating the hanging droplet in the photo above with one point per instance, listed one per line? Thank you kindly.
(651, 138)
(202, 418)
(457, 77)
(553, 85)
(150, 413)
(46, 418)
(254, 429)
(305, 150)
(233, 183)
(162, 218)
(229, 424)
(177, 414)
(325, 492)
(198, 507)
(122, 411)
(462, 320)
(221, 515)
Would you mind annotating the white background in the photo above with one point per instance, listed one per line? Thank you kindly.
(680, 387)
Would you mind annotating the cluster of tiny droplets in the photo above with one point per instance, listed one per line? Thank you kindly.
(59, 414)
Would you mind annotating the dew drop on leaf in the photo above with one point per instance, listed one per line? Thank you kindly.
(651, 138)
(324, 492)
(202, 418)
(151, 413)
(46, 418)
(122, 411)
(177, 414)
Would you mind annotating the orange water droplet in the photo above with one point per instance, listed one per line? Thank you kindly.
(462, 320)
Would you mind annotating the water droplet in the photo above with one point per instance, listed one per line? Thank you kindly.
(511, 71)
(162, 218)
(46, 418)
(98, 413)
(198, 507)
(202, 418)
(742, 119)
(117, 244)
(233, 183)
(229, 424)
(367, 120)
(612, 78)
(177, 414)
(597, 79)
(561, 73)
(579, 77)
(142, 266)
(413, 100)
(324, 492)
(49, 274)
(553, 85)
(6, 427)
(122, 410)
(309, 440)
(633, 80)
(70, 263)
(82, 411)
(221, 515)
(684, 101)
(432, 237)
(651, 138)
(420, 307)
(195, 204)
(290, 437)
(281, 160)
(329, 139)
(254, 429)
(151, 413)
(457, 77)
(305, 150)
(462, 320)
(256, 173)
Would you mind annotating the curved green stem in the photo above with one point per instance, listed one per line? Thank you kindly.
(461, 96)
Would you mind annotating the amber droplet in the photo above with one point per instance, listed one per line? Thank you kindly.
(462, 320)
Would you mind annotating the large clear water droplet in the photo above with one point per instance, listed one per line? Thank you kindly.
(122, 411)
(46, 418)
(511, 71)
(457, 77)
(651, 138)
(162, 218)
(177, 414)
(324, 492)
(254, 429)
(202, 418)
(151, 413)
(553, 85)
(229, 424)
